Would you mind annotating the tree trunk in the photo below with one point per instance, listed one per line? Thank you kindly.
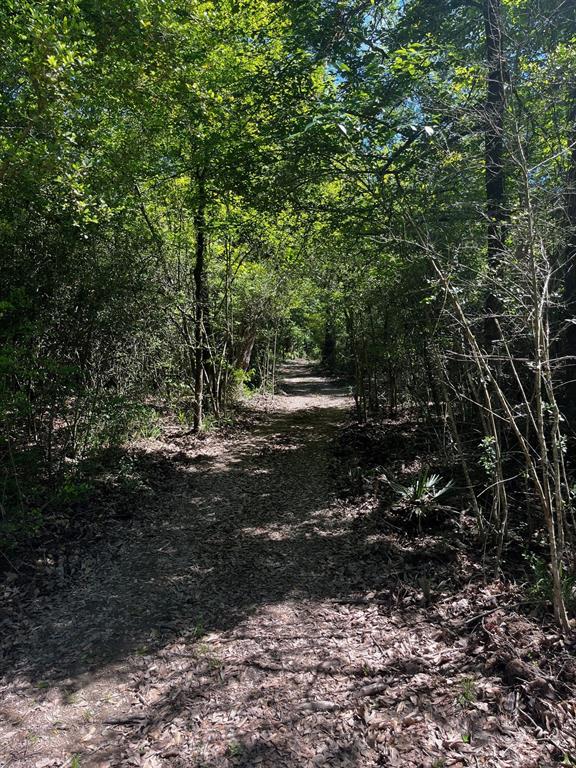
(200, 302)
(494, 159)
(569, 261)
(329, 345)
(245, 347)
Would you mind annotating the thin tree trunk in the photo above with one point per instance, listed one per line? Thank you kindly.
(200, 301)
(494, 158)
(329, 344)
(570, 272)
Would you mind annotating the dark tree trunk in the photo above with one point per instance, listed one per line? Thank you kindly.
(494, 159)
(329, 346)
(200, 295)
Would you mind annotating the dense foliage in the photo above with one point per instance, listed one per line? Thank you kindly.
(192, 190)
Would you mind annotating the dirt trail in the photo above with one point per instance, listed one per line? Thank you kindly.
(193, 615)
(233, 624)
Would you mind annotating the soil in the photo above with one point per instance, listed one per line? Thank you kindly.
(242, 614)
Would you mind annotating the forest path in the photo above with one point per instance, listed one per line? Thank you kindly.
(245, 616)
(196, 638)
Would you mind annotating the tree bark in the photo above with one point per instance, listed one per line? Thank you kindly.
(569, 261)
(200, 302)
(245, 348)
(494, 159)
(329, 345)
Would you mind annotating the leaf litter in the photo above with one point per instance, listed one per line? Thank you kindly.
(246, 614)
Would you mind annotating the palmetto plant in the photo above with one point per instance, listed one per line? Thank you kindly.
(422, 494)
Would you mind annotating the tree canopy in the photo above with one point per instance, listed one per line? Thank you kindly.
(191, 190)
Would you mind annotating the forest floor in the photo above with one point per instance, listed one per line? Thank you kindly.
(242, 614)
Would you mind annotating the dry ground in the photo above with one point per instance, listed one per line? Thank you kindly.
(241, 618)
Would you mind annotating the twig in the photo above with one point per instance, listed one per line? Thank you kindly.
(545, 736)
(10, 563)
(497, 608)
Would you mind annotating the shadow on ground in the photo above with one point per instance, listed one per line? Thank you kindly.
(234, 621)
(211, 541)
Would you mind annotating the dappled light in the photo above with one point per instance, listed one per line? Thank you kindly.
(244, 619)
(287, 383)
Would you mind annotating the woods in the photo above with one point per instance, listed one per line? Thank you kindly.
(189, 190)
(177, 182)
(194, 192)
